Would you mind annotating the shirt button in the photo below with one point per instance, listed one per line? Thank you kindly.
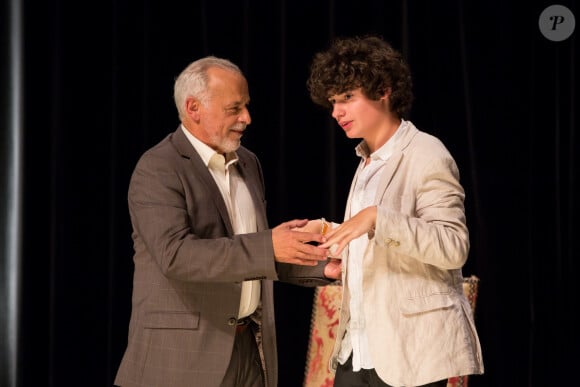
(232, 321)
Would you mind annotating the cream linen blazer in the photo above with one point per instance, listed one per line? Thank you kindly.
(418, 321)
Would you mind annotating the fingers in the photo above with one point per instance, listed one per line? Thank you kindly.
(294, 223)
(308, 237)
(335, 243)
(309, 252)
(335, 249)
(339, 237)
(294, 246)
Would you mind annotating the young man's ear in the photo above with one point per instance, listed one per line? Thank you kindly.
(387, 93)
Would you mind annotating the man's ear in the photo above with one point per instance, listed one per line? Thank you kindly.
(193, 107)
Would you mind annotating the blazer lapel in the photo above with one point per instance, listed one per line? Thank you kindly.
(253, 183)
(387, 175)
(187, 150)
(393, 163)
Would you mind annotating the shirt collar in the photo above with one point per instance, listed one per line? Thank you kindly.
(206, 152)
(385, 151)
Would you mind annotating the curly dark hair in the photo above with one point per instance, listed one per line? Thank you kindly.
(367, 62)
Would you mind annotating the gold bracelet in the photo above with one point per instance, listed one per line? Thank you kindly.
(323, 226)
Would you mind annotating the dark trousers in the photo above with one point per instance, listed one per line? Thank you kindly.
(346, 377)
(245, 369)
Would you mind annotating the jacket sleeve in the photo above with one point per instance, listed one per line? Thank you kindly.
(176, 222)
(430, 225)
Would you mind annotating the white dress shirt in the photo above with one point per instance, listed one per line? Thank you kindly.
(366, 180)
(239, 204)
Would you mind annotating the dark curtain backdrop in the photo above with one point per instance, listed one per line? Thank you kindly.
(98, 83)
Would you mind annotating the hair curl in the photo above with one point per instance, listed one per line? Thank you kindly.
(367, 62)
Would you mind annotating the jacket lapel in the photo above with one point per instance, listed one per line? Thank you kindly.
(253, 183)
(187, 150)
(393, 163)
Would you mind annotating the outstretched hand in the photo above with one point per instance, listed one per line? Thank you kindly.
(360, 224)
(291, 245)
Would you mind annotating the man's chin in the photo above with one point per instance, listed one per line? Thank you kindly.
(231, 146)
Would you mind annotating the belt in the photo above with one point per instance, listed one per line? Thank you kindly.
(242, 324)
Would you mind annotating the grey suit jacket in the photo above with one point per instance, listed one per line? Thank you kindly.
(419, 323)
(189, 267)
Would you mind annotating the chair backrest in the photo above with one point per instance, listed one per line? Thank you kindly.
(470, 288)
(323, 325)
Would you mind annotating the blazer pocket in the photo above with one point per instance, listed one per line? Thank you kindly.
(421, 304)
(171, 320)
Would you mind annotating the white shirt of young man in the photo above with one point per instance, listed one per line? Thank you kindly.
(239, 204)
(366, 178)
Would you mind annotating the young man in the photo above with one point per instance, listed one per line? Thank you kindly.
(404, 318)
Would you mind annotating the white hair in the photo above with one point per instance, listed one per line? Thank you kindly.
(193, 80)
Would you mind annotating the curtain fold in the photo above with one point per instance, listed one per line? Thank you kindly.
(11, 176)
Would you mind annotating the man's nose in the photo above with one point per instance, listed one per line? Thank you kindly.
(245, 117)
